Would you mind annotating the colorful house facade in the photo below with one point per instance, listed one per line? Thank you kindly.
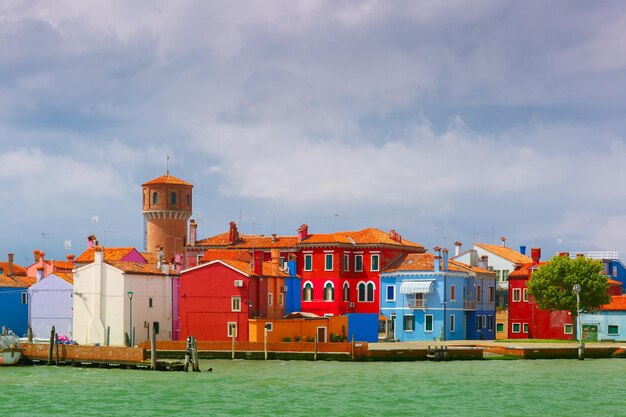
(426, 298)
(14, 300)
(606, 323)
(51, 302)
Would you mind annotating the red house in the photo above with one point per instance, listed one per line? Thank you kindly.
(229, 287)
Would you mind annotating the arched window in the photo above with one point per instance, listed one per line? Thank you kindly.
(346, 292)
(188, 199)
(307, 291)
(361, 291)
(155, 198)
(173, 198)
(370, 291)
(329, 291)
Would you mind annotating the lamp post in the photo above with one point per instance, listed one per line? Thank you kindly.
(581, 346)
(131, 335)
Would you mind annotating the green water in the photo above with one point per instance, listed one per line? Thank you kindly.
(295, 388)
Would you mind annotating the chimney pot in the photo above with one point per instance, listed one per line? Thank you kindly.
(11, 264)
(535, 254)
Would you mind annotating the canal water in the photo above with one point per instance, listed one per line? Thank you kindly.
(298, 388)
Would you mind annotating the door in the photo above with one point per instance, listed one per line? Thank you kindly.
(392, 327)
(321, 334)
(590, 332)
(464, 334)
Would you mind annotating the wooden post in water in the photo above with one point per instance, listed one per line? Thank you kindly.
(194, 355)
(153, 358)
(30, 334)
(352, 347)
(108, 341)
(4, 331)
(233, 346)
(187, 354)
(265, 342)
(52, 332)
(56, 348)
(315, 352)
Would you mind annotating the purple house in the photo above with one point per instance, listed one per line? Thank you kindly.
(51, 305)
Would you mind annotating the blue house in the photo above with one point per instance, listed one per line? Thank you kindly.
(14, 297)
(426, 298)
(606, 323)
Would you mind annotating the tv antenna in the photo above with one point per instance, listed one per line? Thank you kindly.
(44, 236)
(68, 245)
(94, 220)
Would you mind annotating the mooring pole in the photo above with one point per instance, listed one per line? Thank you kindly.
(233, 346)
(315, 351)
(194, 355)
(153, 356)
(30, 334)
(265, 342)
(352, 347)
(56, 348)
(51, 346)
(187, 354)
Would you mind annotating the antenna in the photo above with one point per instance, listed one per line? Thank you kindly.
(44, 236)
(94, 220)
(167, 165)
(68, 245)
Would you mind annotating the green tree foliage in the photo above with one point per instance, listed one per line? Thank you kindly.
(551, 285)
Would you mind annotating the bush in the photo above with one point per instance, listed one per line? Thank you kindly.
(298, 338)
(334, 337)
(310, 339)
(287, 339)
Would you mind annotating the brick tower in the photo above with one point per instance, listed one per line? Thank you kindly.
(166, 209)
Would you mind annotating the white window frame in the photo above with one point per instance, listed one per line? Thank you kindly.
(452, 292)
(269, 326)
(490, 322)
(304, 286)
(525, 328)
(492, 294)
(310, 257)
(346, 262)
(432, 323)
(393, 290)
(356, 263)
(608, 327)
(525, 295)
(270, 299)
(377, 256)
(344, 293)
(517, 295)
(479, 322)
(519, 328)
(235, 303)
(332, 292)
(571, 329)
(367, 298)
(231, 329)
(614, 271)
(413, 322)
(479, 293)
(332, 261)
(484, 321)
(281, 299)
(358, 291)
(452, 323)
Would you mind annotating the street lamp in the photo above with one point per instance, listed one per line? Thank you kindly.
(581, 346)
(131, 335)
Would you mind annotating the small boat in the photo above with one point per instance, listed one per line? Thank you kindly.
(10, 350)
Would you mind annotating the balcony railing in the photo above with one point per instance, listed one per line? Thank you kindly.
(469, 305)
(596, 254)
(417, 303)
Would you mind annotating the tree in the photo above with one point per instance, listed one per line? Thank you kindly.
(551, 285)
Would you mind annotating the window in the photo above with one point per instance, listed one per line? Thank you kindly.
(613, 330)
(525, 294)
(270, 299)
(188, 199)
(375, 266)
(24, 298)
(361, 291)
(269, 326)
(173, 198)
(346, 292)
(490, 323)
(150, 302)
(567, 329)
(428, 323)
(155, 198)
(281, 299)
(307, 292)
(232, 329)
(308, 262)
(517, 295)
(452, 292)
(505, 275)
(492, 294)
(358, 263)
(370, 291)
(479, 291)
(282, 261)
(525, 328)
(329, 292)
(391, 293)
(235, 303)
(478, 323)
(516, 328)
(346, 262)
(484, 321)
(328, 262)
(614, 272)
(409, 323)
(500, 327)
(452, 322)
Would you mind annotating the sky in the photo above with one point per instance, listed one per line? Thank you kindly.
(445, 121)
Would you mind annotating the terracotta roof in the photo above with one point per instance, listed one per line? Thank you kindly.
(17, 270)
(234, 254)
(326, 238)
(372, 235)
(418, 262)
(68, 277)
(523, 271)
(269, 268)
(166, 179)
(506, 253)
(63, 265)
(250, 241)
(618, 303)
(15, 282)
(471, 268)
(110, 254)
(135, 268)
(613, 282)
(150, 257)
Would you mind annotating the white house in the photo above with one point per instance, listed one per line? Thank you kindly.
(102, 301)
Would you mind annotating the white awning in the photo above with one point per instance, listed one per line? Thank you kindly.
(417, 287)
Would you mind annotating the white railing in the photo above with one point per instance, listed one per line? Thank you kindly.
(596, 254)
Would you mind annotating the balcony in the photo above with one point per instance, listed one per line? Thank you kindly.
(469, 305)
(502, 285)
(417, 304)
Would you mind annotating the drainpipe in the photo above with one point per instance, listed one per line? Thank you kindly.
(445, 291)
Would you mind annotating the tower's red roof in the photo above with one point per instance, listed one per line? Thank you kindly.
(167, 179)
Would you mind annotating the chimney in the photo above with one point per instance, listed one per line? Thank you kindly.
(177, 261)
(291, 265)
(503, 239)
(484, 262)
(274, 238)
(393, 235)
(535, 254)
(11, 265)
(445, 259)
(98, 254)
(91, 241)
(257, 259)
(457, 248)
(566, 254)
(70, 258)
(159, 256)
(193, 227)
(522, 249)
(436, 261)
(276, 261)
(303, 232)
(36, 255)
(39, 273)
(233, 234)
(473, 257)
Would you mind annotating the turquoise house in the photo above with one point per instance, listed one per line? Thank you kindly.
(607, 323)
